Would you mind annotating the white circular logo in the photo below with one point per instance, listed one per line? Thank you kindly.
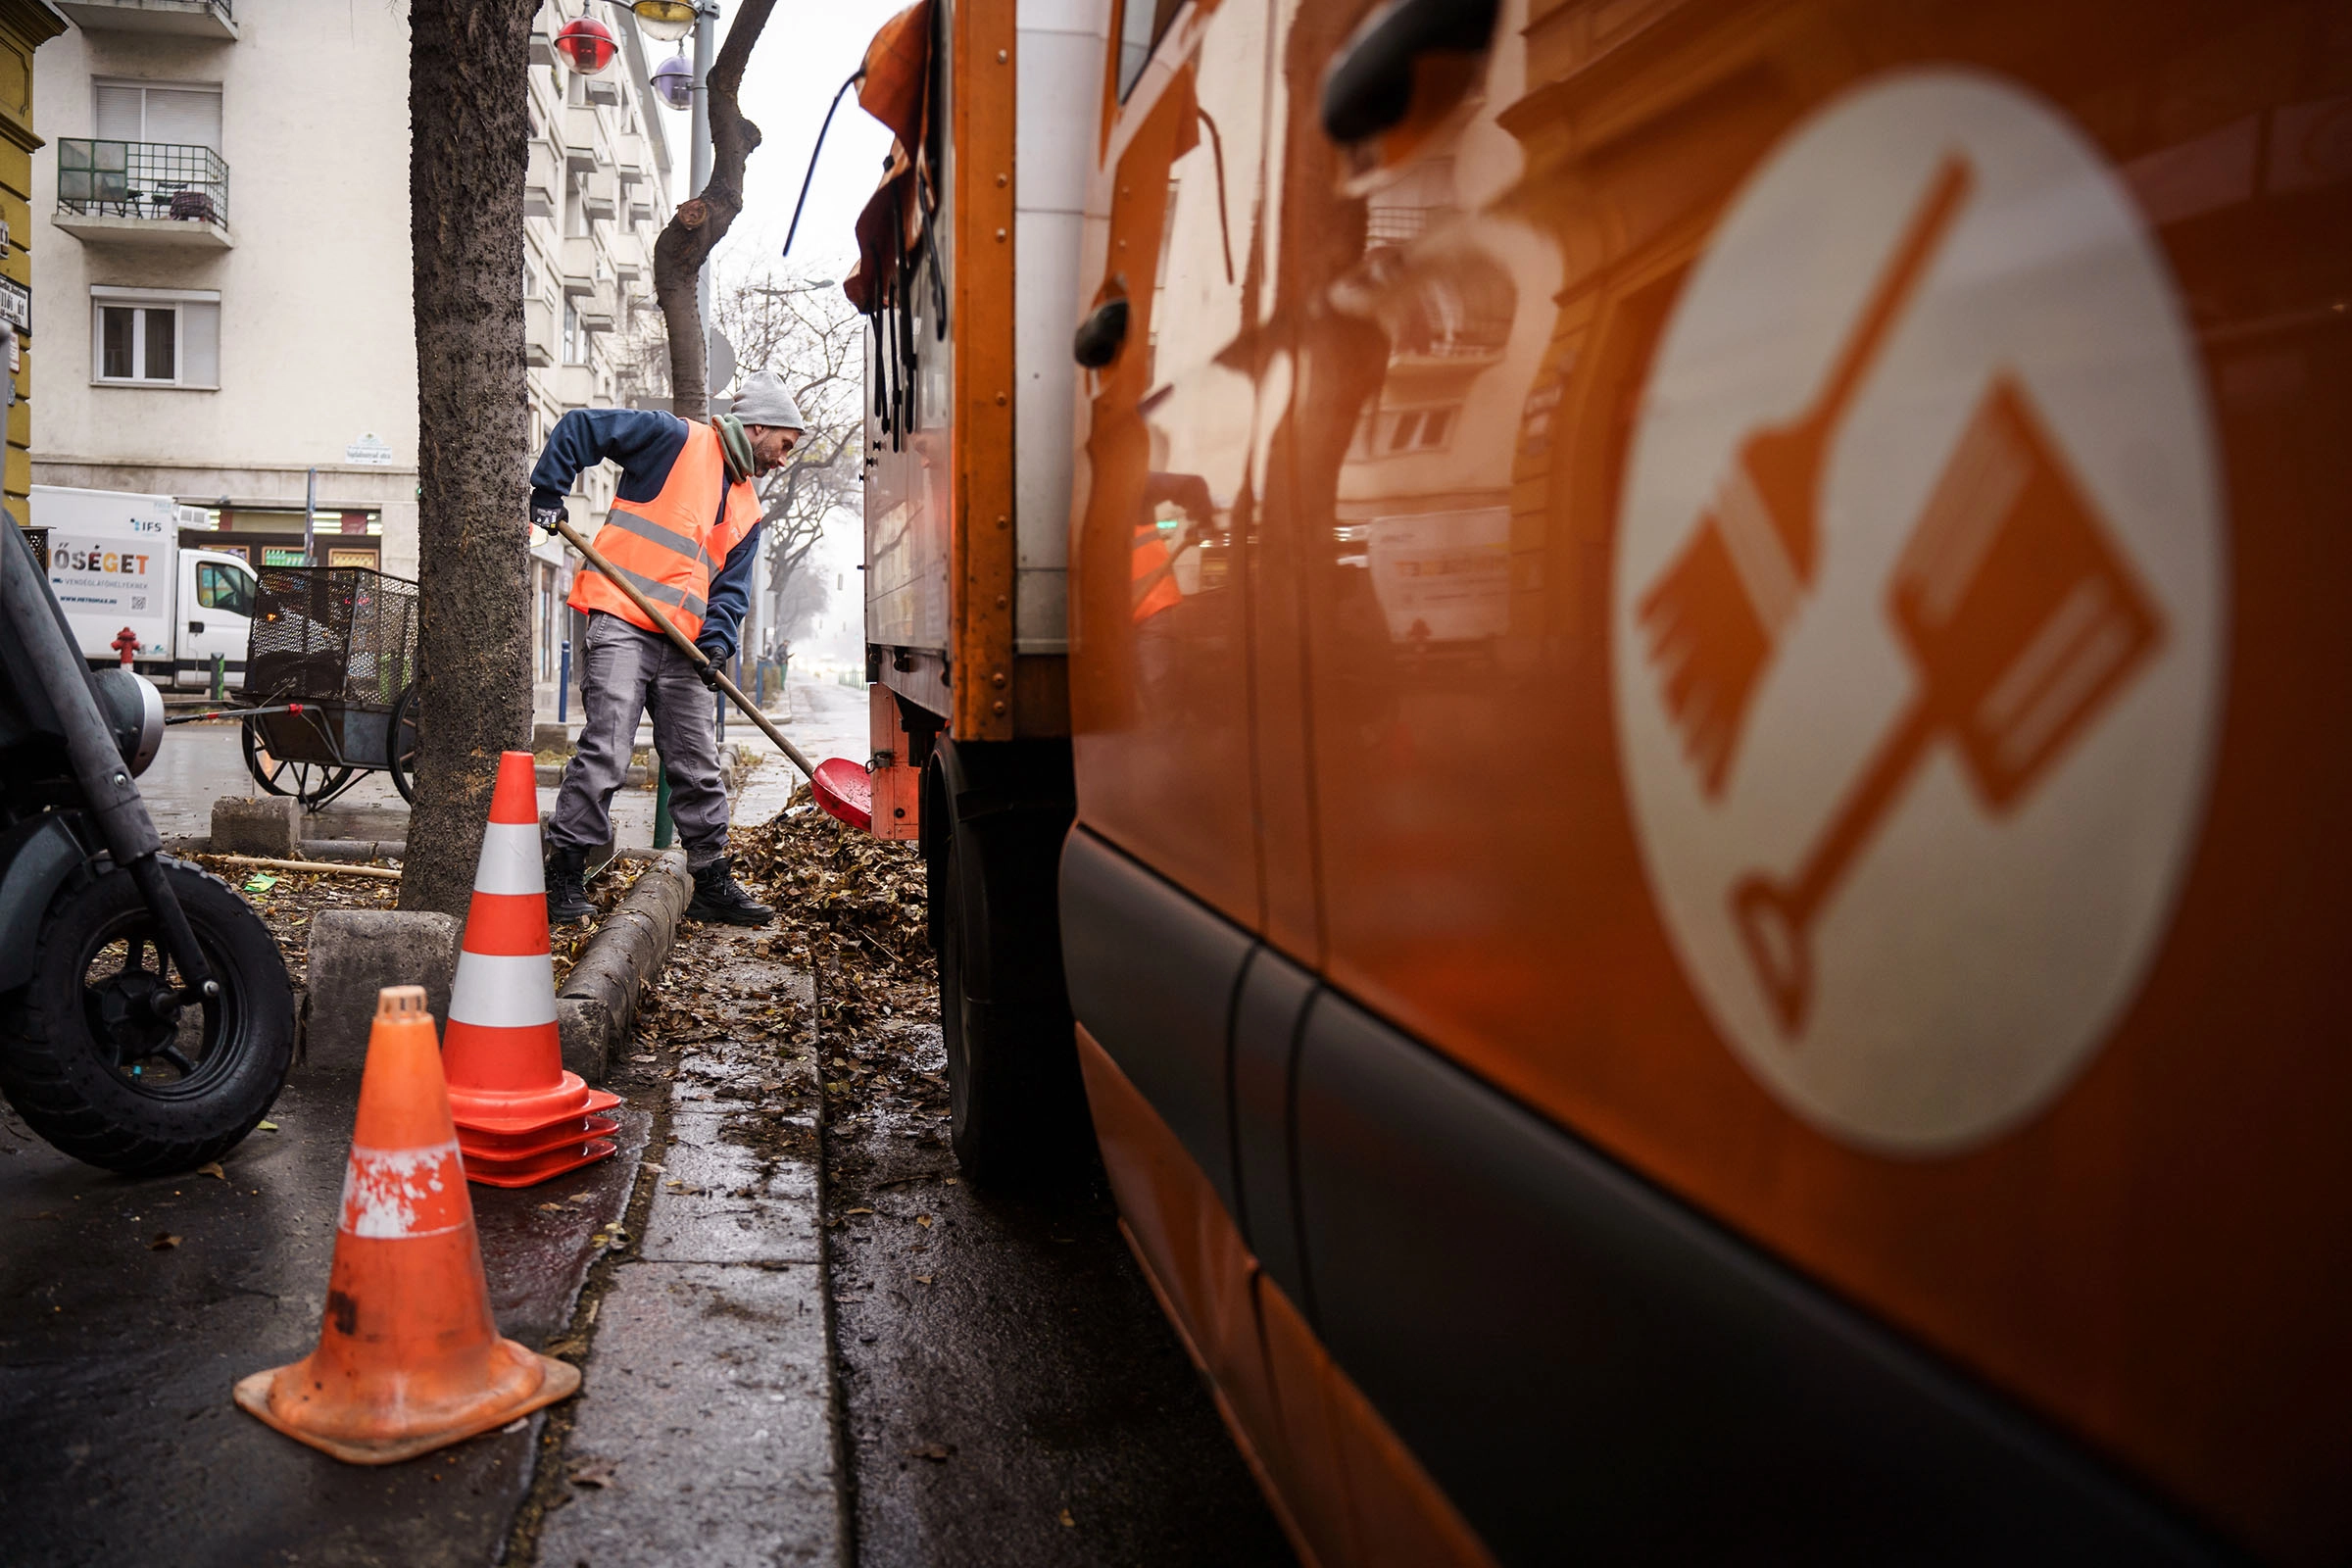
(1918, 611)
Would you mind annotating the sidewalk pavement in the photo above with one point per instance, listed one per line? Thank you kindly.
(705, 1431)
(707, 1428)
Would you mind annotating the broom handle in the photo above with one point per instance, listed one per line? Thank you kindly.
(1918, 246)
(684, 645)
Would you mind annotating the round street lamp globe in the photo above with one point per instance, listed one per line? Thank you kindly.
(588, 44)
(664, 20)
(673, 82)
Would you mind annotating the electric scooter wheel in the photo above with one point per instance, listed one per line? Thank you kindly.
(95, 1068)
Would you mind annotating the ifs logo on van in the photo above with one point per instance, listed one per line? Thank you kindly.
(1918, 612)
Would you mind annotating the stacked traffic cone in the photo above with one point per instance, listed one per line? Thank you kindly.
(521, 1117)
(409, 1360)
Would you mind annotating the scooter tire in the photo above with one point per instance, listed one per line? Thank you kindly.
(64, 1080)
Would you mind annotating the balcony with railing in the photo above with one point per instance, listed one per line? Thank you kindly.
(186, 18)
(142, 193)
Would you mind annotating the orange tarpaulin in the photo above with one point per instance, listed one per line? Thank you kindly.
(898, 72)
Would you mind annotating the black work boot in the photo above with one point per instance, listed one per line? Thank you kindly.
(718, 896)
(568, 887)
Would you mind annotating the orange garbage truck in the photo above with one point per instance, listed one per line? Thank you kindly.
(1644, 703)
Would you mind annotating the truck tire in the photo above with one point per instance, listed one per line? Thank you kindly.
(105, 1081)
(994, 818)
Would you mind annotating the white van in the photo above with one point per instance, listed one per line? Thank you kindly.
(116, 565)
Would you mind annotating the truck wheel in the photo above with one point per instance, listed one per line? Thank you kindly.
(994, 816)
(92, 1068)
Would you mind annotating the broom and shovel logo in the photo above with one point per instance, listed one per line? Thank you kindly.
(2016, 600)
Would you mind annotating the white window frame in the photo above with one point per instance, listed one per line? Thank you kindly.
(144, 84)
(103, 295)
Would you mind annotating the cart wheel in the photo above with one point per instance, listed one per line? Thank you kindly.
(314, 784)
(403, 744)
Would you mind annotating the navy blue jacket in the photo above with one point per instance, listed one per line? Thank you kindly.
(645, 442)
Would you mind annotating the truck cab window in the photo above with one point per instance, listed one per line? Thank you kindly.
(224, 588)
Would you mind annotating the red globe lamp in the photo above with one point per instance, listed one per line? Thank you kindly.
(588, 45)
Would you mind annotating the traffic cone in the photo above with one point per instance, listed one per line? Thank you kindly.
(521, 1117)
(409, 1360)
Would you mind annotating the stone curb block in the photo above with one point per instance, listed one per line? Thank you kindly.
(355, 952)
(627, 950)
(270, 826)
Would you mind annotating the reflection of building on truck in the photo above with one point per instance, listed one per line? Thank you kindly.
(1573, 655)
(115, 563)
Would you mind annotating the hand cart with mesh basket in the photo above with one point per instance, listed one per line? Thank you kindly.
(330, 681)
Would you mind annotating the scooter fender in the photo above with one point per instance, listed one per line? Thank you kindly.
(36, 856)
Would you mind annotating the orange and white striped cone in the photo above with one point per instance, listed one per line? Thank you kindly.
(521, 1117)
(409, 1357)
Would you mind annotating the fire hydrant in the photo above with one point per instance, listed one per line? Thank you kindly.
(125, 643)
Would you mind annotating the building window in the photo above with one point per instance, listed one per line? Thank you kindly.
(155, 337)
(175, 114)
(1420, 429)
(576, 208)
(575, 341)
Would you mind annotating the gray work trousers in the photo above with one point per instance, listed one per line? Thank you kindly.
(626, 672)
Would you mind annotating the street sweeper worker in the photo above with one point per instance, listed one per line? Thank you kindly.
(684, 529)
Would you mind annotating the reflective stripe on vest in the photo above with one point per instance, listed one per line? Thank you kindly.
(670, 548)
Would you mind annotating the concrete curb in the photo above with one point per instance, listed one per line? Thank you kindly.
(596, 1007)
(352, 953)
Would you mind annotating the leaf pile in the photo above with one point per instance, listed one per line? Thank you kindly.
(289, 903)
(851, 909)
(834, 887)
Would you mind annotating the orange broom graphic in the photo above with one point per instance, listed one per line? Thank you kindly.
(1715, 615)
(2024, 622)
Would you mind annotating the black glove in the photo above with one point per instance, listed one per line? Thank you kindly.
(717, 654)
(546, 517)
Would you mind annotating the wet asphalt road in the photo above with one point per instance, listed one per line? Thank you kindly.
(1009, 1392)
(1014, 1393)
(120, 1444)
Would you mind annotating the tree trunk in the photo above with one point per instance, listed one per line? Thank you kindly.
(703, 219)
(469, 130)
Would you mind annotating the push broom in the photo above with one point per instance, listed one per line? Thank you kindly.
(1715, 616)
(685, 645)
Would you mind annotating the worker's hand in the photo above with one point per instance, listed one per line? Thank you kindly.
(546, 517)
(717, 653)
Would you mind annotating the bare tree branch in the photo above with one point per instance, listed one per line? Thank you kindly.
(784, 321)
(703, 219)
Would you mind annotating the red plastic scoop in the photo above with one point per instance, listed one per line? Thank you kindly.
(845, 789)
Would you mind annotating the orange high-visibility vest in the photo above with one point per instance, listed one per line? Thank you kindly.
(670, 547)
(1151, 578)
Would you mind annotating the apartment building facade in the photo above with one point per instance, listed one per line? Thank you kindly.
(223, 210)
(595, 192)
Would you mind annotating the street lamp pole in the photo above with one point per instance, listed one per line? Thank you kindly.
(705, 48)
